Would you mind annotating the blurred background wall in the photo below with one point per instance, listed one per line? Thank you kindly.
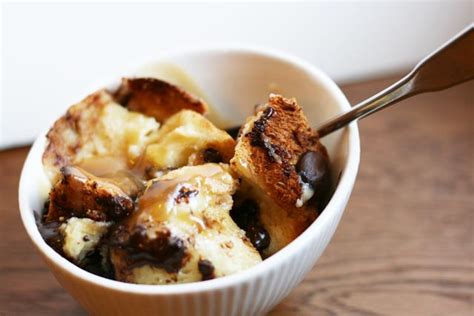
(51, 52)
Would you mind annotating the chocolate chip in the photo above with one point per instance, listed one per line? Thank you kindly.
(313, 168)
(206, 268)
(247, 216)
(211, 155)
(258, 236)
(245, 213)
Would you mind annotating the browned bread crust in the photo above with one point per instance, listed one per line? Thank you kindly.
(271, 143)
(80, 194)
(156, 98)
(268, 148)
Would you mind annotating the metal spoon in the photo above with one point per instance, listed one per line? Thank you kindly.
(451, 64)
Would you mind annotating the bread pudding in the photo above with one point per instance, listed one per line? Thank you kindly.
(145, 189)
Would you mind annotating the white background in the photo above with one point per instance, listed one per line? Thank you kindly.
(50, 52)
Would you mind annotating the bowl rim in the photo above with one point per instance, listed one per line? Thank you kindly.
(336, 202)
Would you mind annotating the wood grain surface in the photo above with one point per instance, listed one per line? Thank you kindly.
(405, 245)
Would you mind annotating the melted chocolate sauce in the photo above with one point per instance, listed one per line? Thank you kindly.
(258, 129)
(94, 262)
(50, 233)
(164, 251)
(247, 216)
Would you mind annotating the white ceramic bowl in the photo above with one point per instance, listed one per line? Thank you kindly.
(233, 80)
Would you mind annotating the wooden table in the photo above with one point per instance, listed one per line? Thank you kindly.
(405, 243)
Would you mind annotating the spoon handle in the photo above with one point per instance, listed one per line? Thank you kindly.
(451, 64)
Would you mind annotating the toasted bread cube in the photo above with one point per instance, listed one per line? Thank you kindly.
(81, 194)
(182, 230)
(268, 148)
(157, 98)
(97, 127)
(187, 138)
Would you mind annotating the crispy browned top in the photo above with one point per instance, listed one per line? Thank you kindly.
(156, 98)
(81, 194)
(62, 143)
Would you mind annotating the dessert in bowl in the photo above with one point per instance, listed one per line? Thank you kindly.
(231, 281)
